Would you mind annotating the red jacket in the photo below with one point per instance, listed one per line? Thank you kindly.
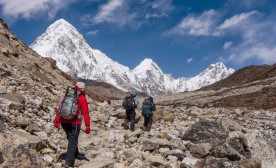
(82, 110)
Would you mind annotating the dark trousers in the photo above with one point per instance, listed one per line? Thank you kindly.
(130, 117)
(147, 122)
(72, 132)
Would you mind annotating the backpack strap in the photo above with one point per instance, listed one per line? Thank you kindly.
(62, 102)
(149, 104)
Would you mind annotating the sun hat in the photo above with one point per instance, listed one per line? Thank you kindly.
(81, 85)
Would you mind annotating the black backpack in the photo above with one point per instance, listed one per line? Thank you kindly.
(128, 103)
(147, 107)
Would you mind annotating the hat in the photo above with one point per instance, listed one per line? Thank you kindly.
(81, 85)
(134, 93)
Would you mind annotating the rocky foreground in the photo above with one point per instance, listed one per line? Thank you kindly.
(189, 130)
(180, 137)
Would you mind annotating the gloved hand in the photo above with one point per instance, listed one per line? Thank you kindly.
(87, 130)
(56, 124)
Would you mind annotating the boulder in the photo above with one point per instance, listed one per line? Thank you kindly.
(189, 162)
(103, 118)
(22, 122)
(13, 97)
(205, 131)
(200, 150)
(42, 135)
(211, 162)
(22, 137)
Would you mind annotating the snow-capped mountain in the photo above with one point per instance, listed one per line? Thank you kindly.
(73, 55)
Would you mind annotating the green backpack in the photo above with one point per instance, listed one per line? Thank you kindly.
(147, 107)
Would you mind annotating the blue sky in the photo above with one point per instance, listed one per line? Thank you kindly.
(182, 36)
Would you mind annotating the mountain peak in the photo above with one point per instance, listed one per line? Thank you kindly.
(216, 72)
(57, 32)
(61, 21)
(217, 65)
(146, 65)
(61, 26)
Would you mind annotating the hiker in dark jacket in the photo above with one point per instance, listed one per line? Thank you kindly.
(72, 127)
(130, 103)
(148, 107)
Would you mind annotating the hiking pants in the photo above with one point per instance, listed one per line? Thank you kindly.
(130, 116)
(147, 122)
(72, 132)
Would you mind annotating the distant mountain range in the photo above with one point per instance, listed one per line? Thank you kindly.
(74, 56)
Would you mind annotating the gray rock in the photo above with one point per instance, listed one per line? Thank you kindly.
(22, 121)
(3, 89)
(204, 131)
(42, 135)
(226, 150)
(48, 159)
(176, 152)
(172, 158)
(189, 162)
(200, 150)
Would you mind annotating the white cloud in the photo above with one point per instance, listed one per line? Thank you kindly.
(115, 12)
(189, 60)
(92, 33)
(107, 10)
(31, 8)
(237, 20)
(264, 54)
(202, 25)
(227, 45)
(132, 13)
(160, 8)
(257, 38)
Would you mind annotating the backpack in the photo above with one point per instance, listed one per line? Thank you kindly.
(147, 107)
(69, 107)
(128, 103)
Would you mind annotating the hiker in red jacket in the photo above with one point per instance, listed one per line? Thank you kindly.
(72, 127)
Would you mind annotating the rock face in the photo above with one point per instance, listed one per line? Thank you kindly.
(182, 134)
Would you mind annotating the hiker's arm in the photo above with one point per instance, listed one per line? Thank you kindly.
(135, 102)
(57, 114)
(153, 107)
(57, 118)
(85, 111)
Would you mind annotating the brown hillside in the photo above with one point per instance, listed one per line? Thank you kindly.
(103, 91)
(269, 73)
(243, 76)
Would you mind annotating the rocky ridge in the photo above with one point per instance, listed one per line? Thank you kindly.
(188, 131)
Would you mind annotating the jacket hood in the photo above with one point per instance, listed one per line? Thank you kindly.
(78, 89)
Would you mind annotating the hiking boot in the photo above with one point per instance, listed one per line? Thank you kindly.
(126, 127)
(80, 156)
(144, 128)
(66, 165)
(132, 129)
